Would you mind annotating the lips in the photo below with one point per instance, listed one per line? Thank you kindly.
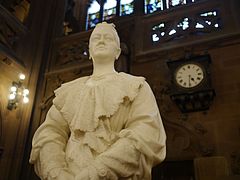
(100, 47)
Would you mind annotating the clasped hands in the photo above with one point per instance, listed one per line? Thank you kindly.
(65, 174)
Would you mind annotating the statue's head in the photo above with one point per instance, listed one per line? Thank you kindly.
(104, 42)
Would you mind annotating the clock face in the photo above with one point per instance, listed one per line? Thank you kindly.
(189, 75)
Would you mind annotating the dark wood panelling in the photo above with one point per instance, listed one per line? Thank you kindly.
(44, 24)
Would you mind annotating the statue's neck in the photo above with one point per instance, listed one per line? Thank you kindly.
(101, 68)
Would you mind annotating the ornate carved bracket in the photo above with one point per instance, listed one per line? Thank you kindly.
(198, 101)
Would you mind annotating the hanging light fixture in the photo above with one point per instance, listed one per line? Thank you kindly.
(18, 93)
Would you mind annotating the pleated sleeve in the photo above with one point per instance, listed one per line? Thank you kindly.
(48, 145)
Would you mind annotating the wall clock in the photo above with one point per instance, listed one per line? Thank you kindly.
(191, 86)
(189, 75)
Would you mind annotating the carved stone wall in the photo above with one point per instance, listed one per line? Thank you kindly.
(208, 133)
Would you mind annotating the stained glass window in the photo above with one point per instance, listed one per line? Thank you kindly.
(153, 5)
(93, 14)
(158, 5)
(172, 3)
(109, 9)
(99, 11)
(126, 7)
(178, 28)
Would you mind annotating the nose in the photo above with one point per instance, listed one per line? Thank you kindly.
(101, 40)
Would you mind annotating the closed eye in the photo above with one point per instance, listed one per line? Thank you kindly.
(95, 38)
(109, 38)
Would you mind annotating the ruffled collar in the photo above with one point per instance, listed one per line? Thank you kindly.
(103, 76)
(86, 101)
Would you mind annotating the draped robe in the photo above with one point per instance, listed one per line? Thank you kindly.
(109, 125)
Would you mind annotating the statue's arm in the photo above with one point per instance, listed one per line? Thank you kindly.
(48, 146)
(141, 144)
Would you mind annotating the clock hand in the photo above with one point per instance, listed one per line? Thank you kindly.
(193, 80)
(189, 80)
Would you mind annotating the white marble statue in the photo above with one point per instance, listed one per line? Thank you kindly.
(105, 126)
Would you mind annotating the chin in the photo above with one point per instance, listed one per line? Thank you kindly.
(101, 55)
(103, 59)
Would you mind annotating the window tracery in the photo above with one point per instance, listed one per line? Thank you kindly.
(152, 6)
(198, 24)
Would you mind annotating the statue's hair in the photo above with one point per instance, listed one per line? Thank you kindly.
(112, 26)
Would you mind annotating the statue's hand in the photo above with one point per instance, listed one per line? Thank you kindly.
(65, 175)
(83, 175)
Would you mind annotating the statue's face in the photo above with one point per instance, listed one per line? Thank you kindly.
(103, 44)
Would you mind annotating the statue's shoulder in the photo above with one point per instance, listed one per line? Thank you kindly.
(66, 89)
(71, 85)
(76, 81)
(130, 78)
(132, 84)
